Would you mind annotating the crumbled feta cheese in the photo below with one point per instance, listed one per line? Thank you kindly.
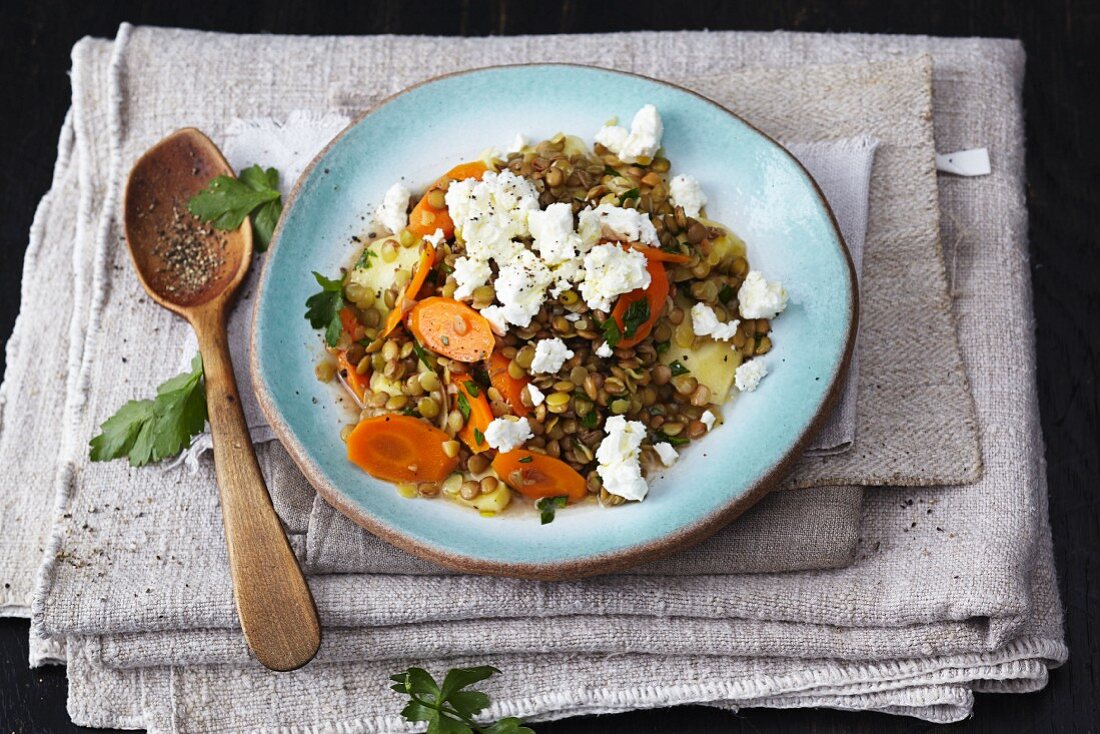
(640, 143)
(550, 355)
(435, 238)
(749, 374)
(618, 458)
(536, 395)
(495, 316)
(610, 271)
(552, 231)
(521, 288)
(572, 316)
(705, 322)
(565, 275)
(604, 350)
(470, 274)
(708, 419)
(760, 299)
(491, 214)
(666, 453)
(685, 191)
(617, 223)
(392, 213)
(520, 142)
(505, 434)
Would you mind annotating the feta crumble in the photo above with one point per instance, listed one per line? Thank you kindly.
(685, 191)
(521, 288)
(495, 316)
(749, 374)
(435, 239)
(708, 418)
(553, 235)
(617, 223)
(704, 322)
(604, 350)
(470, 274)
(640, 143)
(520, 142)
(610, 271)
(504, 435)
(550, 355)
(666, 453)
(618, 455)
(536, 395)
(392, 213)
(491, 214)
(760, 299)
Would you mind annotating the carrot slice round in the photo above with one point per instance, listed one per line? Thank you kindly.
(452, 329)
(509, 387)
(655, 295)
(425, 219)
(400, 448)
(481, 415)
(538, 475)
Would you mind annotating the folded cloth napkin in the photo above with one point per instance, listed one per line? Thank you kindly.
(925, 617)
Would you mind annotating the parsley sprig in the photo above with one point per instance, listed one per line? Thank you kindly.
(547, 507)
(323, 308)
(450, 708)
(226, 201)
(637, 313)
(146, 431)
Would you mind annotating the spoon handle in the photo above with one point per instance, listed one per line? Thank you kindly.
(274, 603)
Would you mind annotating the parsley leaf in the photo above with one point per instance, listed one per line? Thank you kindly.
(363, 263)
(464, 406)
(726, 294)
(479, 437)
(226, 201)
(527, 459)
(422, 355)
(637, 313)
(590, 419)
(678, 368)
(547, 506)
(150, 430)
(632, 194)
(450, 708)
(609, 171)
(472, 387)
(662, 437)
(611, 331)
(323, 308)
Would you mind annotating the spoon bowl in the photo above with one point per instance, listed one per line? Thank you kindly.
(191, 268)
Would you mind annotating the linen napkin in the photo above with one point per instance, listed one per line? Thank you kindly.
(920, 621)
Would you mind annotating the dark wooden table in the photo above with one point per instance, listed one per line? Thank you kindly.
(1063, 161)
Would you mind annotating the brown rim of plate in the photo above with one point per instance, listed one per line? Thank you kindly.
(594, 565)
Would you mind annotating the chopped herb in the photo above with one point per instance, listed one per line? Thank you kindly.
(410, 410)
(636, 314)
(527, 459)
(446, 268)
(547, 506)
(363, 263)
(663, 347)
(472, 387)
(422, 354)
(226, 201)
(479, 437)
(323, 308)
(632, 194)
(590, 419)
(611, 331)
(464, 406)
(726, 294)
(365, 342)
(609, 171)
(661, 437)
(677, 368)
(150, 430)
(447, 708)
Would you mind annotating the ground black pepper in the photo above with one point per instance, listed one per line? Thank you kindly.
(192, 252)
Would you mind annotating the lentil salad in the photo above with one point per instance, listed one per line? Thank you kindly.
(553, 322)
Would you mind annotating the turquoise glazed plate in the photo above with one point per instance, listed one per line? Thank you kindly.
(753, 185)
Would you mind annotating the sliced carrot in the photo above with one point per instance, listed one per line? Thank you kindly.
(423, 267)
(656, 253)
(655, 295)
(348, 320)
(400, 448)
(356, 382)
(425, 219)
(452, 329)
(509, 387)
(538, 475)
(481, 415)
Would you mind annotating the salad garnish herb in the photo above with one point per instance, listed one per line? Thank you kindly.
(450, 708)
(226, 201)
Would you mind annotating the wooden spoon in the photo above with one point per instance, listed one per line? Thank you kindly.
(192, 269)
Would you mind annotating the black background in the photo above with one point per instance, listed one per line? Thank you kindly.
(1062, 39)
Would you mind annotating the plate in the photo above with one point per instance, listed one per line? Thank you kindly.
(753, 184)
